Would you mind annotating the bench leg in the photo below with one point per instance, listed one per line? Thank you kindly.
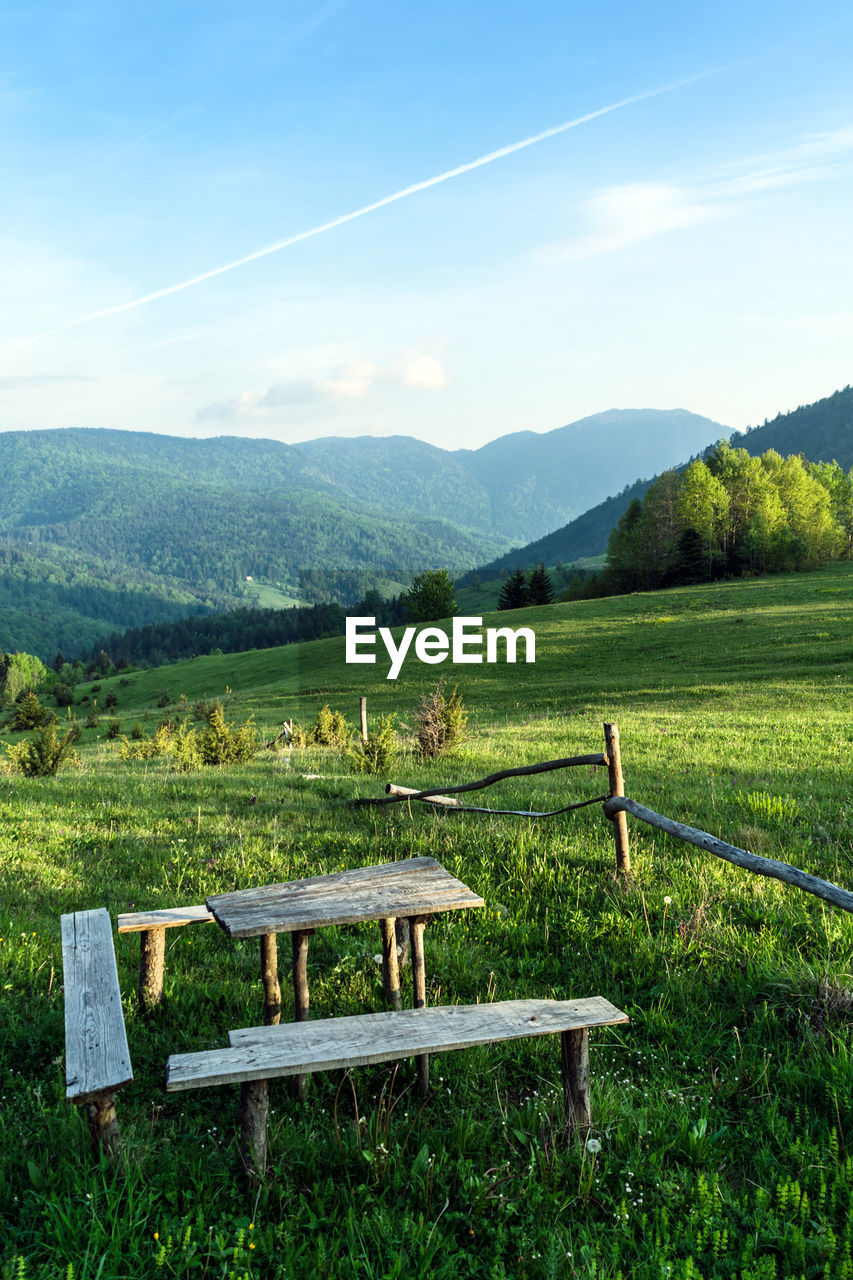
(575, 1070)
(254, 1115)
(390, 968)
(152, 958)
(416, 930)
(103, 1125)
(300, 990)
(269, 977)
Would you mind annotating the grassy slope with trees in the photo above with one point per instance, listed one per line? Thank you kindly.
(723, 1110)
(821, 432)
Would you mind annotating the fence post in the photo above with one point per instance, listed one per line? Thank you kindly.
(617, 788)
(362, 707)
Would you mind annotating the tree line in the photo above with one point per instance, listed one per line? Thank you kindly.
(729, 514)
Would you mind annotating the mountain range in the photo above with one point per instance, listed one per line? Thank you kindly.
(103, 529)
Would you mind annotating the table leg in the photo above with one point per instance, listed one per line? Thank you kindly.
(390, 968)
(255, 1094)
(269, 977)
(416, 927)
(152, 955)
(301, 939)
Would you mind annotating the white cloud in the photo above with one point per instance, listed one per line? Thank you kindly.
(423, 372)
(353, 381)
(621, 216)
(624, 215)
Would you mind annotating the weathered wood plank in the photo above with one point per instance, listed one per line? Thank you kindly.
(770, 867)
(416, 886)
(97, 1058)
(136, 921)
(262, 1053)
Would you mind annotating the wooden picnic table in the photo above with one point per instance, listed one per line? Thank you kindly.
(413, 889)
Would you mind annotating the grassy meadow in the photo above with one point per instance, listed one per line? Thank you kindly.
(723, 1110)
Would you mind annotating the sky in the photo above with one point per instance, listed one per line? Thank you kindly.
(297, 220)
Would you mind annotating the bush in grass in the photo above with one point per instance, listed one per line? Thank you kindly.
(93, 719)
(111, 700)
(441, 722)
(46, 752)
(64, 695)
(113, 728)
(330, 729)
(137, 732)
(185, 748)
(378, 754)
(221, 743)
(203, 709)
(143, 748)
(29, 713)
(164, 699)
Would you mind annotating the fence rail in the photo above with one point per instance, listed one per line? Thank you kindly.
(616, 806)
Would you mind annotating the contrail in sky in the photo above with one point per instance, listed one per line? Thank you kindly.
(359, 213)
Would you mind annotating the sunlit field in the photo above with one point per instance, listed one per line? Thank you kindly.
(723, 1109)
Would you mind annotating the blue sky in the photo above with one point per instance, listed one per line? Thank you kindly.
(689, 249)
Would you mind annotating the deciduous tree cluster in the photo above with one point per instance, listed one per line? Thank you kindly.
(731, 514)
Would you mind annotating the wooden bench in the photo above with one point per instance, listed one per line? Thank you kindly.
(97, 1060)
(258, 1054)
(151, 927)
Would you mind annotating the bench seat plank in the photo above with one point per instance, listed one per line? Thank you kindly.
(97, 1058)
(137, 921)
(263, 1053)
(413, 886)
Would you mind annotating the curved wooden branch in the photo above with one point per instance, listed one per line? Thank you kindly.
(522, 771)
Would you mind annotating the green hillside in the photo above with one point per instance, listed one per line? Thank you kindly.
(724, 1105)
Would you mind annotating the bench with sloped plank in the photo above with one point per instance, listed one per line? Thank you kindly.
(97, 1059)
(151, 927)
(258, 1054)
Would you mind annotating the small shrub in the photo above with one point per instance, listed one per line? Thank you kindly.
(93, 719)
(143, 748)
(137, 732)
(330, 729)
(298, 736)
(378, 754)
(441, 722)
(29, 713)
(111, 700)
(96, 688)
(185, 749)
(113, 728)
(221, 743)
(204, 708)
(64, 695)
(47, 751)
(164, 699)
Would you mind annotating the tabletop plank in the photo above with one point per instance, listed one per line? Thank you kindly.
(296, 1048)
(413, 886)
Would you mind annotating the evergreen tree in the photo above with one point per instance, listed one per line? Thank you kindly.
(539, 587)
(514, 591)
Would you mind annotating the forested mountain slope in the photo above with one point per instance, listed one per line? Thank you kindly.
(821, 432)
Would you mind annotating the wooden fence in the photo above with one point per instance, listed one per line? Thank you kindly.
(616, 806)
